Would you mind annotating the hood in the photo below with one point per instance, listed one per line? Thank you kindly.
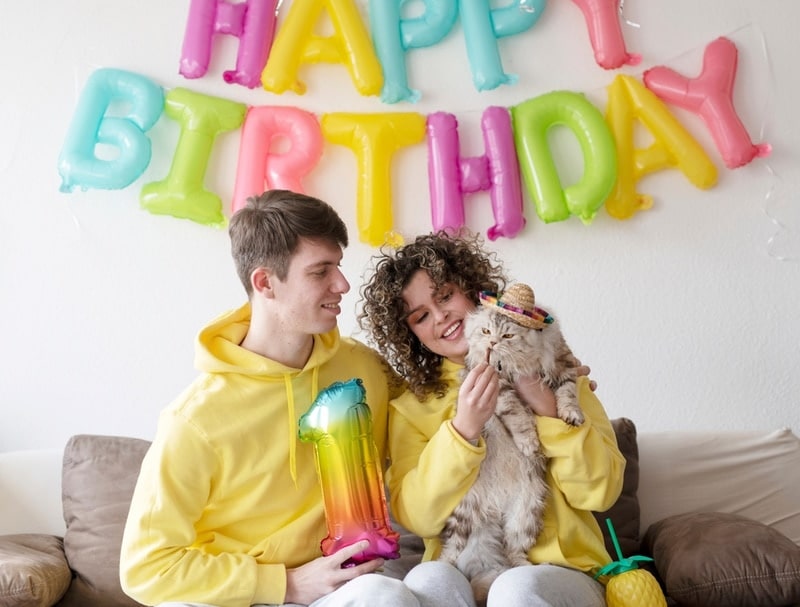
(217, 349)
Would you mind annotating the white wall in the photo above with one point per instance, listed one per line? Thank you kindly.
(687, 313)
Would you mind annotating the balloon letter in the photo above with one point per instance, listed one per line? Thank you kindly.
(374, 138)
(602, 20)
(629, 100)
(339, 423)
(182, 194)
(252, 21)
(260, 170)
(497, 170)
(296, 43)
(710, 96)
(532, 119)
(78, 163)
(392, 36)
(483, 25)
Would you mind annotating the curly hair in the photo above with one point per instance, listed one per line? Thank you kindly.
(457, 259)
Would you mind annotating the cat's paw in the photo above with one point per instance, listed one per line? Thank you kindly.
(572, 415)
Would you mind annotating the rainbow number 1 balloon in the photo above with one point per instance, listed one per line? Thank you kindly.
(339, 423)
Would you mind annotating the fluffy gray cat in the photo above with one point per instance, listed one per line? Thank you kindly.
(496, 524)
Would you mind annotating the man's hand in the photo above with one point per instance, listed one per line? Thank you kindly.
(320, 577)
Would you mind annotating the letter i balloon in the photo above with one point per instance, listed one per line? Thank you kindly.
(339, 423)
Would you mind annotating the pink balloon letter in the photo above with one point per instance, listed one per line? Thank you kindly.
(710, 95)
(605, 33)
(260, 170)
(449, 175)
(252, 21)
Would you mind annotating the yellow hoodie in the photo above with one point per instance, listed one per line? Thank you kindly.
(228, 496)
(433, 467)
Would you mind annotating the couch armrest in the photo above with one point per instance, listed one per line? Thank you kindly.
(33, 570)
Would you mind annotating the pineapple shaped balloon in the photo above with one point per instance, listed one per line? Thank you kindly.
(630, 586)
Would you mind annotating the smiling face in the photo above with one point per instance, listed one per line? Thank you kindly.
(437, 317)
(311, 294)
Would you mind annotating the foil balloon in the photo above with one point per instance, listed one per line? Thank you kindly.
(339, 423)
(710, 96)
(181, 193)
(252, 21)
(81, 163)
(450, 175)
(297, 43)
(532, 119)
(260, 167)
(374, 139)
(605, 33)
(393, 35)
(630, 102)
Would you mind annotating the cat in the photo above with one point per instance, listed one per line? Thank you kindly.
(497, 522)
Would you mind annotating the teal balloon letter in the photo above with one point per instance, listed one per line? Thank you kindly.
(78, 163)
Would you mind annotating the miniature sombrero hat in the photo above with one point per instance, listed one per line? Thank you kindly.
(518, 303)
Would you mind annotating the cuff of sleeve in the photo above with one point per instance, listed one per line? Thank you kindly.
(479, 446)
(270, 584)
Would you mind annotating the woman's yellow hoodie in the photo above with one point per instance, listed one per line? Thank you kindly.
(433, 467)
(228, 497)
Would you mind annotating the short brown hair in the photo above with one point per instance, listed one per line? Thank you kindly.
(457, 259)
(266, 231)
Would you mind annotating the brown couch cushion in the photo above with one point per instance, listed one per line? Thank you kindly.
(99, 475)
(713, 558)
(624, 514)
(33, 570)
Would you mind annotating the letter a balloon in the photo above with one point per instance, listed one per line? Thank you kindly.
(339, 423)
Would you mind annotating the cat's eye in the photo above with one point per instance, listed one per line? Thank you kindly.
(508, 335)
(485, 331)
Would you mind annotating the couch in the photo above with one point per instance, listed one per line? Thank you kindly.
(719, 512)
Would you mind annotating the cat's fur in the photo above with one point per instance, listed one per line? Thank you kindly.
(496, 524)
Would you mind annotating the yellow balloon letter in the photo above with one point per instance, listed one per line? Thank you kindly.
(374, 138)
(296, 43)
(673, 146)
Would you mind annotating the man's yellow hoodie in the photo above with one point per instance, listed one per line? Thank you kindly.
(228, 496)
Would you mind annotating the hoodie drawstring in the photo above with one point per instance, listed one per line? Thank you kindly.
(293, 438)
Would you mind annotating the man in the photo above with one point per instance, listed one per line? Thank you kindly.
(228, 510)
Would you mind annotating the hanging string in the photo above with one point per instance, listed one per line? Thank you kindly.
(626, 20)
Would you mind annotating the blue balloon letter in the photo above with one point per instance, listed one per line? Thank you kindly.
(78, 163)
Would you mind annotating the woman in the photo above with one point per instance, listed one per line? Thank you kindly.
(414, 306)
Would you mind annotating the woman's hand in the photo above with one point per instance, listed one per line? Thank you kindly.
(584, 370)
(477, 398)
(539, 397)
